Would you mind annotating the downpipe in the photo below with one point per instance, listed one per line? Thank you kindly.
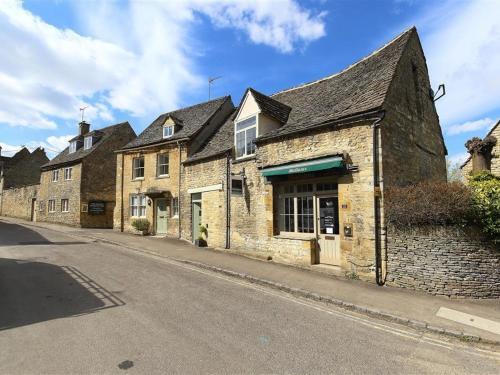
(377, 193)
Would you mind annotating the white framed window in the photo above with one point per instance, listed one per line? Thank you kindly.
(55, 175)
(138, 205)
(72, 147)
(52, 205)
(138, 167)
(175, 207)
(162, 165)
(67, 173)
(64, 205)
(168, 131)
(87, 143)
(245, 134)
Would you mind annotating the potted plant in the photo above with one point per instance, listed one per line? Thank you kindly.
(141, 226)
(201, 241)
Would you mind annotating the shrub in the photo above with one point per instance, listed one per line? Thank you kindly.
(142, 225)
(428, 203)
(485, 189)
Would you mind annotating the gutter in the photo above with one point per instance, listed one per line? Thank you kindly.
(122, 206)
(179, 191)
(228, 200)
(151, 145)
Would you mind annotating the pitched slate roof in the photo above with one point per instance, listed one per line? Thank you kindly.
(219, 143)
(64, 157)
(360, 88)
(191, 119)
(270, 107)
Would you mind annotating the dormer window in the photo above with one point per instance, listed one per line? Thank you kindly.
(72, 147)
(168, 131)
(87, 143)
(245, 134)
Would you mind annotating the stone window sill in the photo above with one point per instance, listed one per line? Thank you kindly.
(296, 236)
(162, 176)
(138, 179)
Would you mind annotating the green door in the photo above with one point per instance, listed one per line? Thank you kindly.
(196, 218)
(161, 216)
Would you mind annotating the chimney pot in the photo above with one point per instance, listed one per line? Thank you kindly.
(84, 128)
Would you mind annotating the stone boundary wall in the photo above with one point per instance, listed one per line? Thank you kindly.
(16, 202)
(449, 261)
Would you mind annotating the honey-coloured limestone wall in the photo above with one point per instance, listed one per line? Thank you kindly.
(17, 202)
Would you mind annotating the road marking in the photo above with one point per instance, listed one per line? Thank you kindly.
(470, 320)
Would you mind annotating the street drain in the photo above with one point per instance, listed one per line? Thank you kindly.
(125, 365)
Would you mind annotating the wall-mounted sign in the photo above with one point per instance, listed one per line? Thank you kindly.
(96, 207)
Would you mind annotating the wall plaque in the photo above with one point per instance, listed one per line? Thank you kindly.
(96, 207)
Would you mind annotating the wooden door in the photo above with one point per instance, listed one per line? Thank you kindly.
(328, 230)
(196, 219)
(161, 216)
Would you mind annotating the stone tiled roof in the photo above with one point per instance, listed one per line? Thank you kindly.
(271, 107)
(65, 157)
(191, 119)
(219, 143)
(24, 168)
(361, 88)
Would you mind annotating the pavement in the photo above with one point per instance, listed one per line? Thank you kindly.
(71, 304)
(418, 310)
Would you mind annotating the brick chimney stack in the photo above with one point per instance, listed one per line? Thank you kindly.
(84, 128)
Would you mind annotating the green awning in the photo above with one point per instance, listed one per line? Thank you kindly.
(305, 166)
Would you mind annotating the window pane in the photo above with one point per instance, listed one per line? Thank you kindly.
(251, 135)
(287, 223)
(246, 123)
(305, 215)
(240, 144)
(162, 165)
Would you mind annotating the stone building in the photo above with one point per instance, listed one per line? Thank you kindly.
(149, 170)
(19, 179)
(298, 176)
(77, 187)
(492, 162)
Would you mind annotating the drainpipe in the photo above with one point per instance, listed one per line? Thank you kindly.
(379, 277)
(122, 206)
(228, 200)
(179, 190)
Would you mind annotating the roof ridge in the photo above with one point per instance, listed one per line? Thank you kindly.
(196, 105)
(411, 29)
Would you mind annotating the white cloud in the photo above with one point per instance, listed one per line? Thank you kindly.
(462, 45)
(137, 57)
(459, 158)
(52, 145)
(483, 125)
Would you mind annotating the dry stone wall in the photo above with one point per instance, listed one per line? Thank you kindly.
(449, 261)
(17, 202)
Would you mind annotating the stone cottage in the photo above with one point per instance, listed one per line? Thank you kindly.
(298, 176)
(149, 182)
(490, 160)
(19, 181)
(77, 187)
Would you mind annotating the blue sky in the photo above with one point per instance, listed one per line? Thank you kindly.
(133, 60)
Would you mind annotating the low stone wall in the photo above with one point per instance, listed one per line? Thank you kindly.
(16, 202)
(450, 261)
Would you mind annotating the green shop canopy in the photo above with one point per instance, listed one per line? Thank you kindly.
(305, 166)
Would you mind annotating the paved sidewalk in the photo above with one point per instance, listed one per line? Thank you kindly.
(401, 303)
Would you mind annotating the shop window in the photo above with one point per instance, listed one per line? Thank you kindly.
(304, 188)
(305, 214)
(138, 205)
(326, 187)
(237, 185)
(287, 219)
(138, 167)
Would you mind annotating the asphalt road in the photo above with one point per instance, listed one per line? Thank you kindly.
(72, 306)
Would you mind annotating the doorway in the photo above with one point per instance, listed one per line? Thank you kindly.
(33, 209)
(196, 215)
(161, 216)
(328, 229)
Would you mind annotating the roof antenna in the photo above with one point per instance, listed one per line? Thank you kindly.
(82, 110)
(210, 80)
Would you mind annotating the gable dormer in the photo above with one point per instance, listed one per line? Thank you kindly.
(171, 126)
(258, 114)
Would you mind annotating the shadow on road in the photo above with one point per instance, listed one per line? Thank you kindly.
(14, 234)
(33, 292)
